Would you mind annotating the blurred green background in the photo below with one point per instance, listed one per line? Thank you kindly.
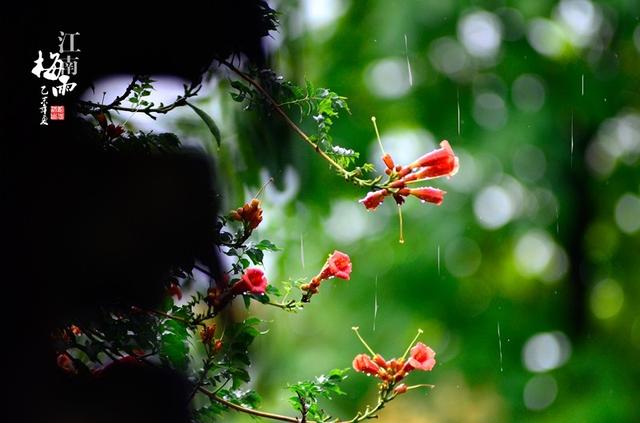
(526, 279)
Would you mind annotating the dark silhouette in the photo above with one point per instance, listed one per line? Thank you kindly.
(84, 228)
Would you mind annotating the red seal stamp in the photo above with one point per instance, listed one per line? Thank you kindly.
(57, 112)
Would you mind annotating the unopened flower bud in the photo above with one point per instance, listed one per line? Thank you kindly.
(400, 389)
(388, 161)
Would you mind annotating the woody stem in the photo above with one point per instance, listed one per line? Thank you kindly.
(251, 411)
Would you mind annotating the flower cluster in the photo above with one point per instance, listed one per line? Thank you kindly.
(252, 281)
(111, 131)
(250, 214)
(435, 164)
(207, 335)
(390, 372)
(338, 265)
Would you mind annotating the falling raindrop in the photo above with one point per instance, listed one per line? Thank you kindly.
(582, 85)
(406, 51)
(571, 160)
(375, 304)
(438, 259)
(500, 347)
(458, 101)
(557, 220)
(302, 251)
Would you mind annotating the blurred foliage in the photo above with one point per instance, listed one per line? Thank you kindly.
(538, 235)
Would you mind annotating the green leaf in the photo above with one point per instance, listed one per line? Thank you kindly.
(208, 120)
(273, 291)
(256, 255)
(167, 303)
(267, 245)
(310, 390)
(173, 344)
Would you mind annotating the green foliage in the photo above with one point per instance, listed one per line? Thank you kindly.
(145, 142)
(173, 344)
(210, 413)
(308, 392)
(232, 361)
(208, 120)
(322, 105)
(142, 88)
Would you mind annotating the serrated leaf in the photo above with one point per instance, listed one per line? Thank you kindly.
(208, 120)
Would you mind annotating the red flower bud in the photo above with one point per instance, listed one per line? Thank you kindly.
(435, 157)
(400, 389)
(398, 184)
(207, 333)
(374, 199)
(429, 194)
(445, 168)
(250, 214)
(388, 161)
(362, 363)
(175, 290)
(253, 280)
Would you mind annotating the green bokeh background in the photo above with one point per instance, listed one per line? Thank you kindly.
(531, 239)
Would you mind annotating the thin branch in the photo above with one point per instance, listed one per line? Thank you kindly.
(291, 305)
(247, 410)
(118, 100)
(369, 413)
(90, 107)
